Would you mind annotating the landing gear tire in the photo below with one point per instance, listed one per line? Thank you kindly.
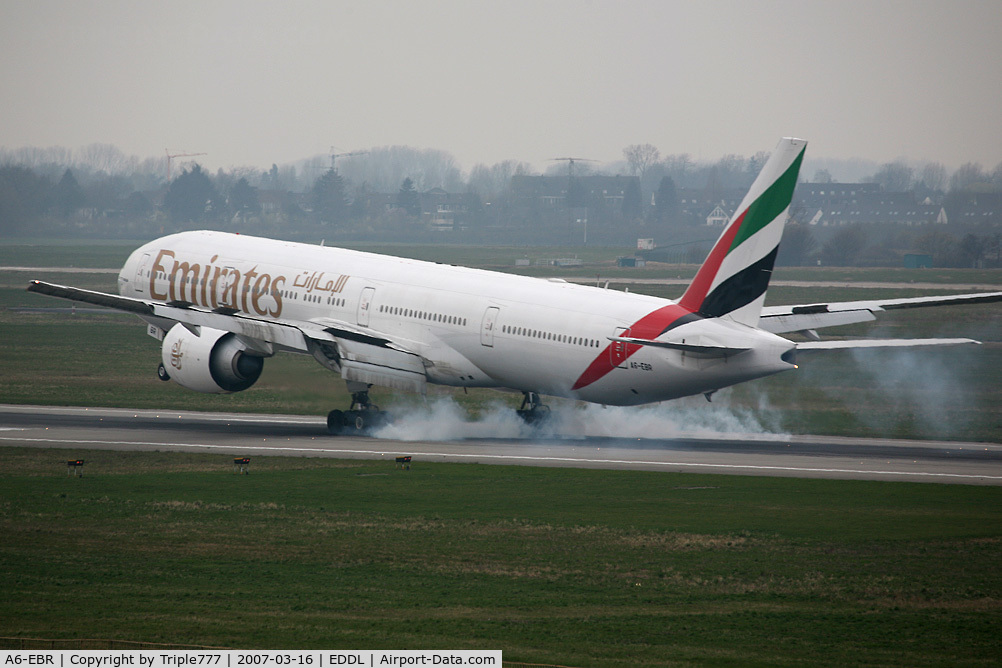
(162, 373)
(360, 422)
(361, 418)
(335, 422)
(533, 411)
(357, 422)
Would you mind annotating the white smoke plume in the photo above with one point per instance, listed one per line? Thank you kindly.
(445, 420)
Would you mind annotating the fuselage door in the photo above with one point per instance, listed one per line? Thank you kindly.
(488, 325)
(617, 351)
(364, 302)
(140, 271)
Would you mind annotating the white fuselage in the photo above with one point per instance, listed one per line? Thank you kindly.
(473, 328)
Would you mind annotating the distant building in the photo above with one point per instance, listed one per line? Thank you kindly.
(863, 203)
(718, 217)
(443, 211)
(974, 208)
(553, 191)
(828, 204)
(700, 206)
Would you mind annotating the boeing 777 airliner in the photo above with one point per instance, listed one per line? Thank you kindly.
(223, 303)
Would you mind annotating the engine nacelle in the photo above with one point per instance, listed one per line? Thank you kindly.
(215, 362)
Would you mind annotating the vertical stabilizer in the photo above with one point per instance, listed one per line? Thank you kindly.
(733, 279)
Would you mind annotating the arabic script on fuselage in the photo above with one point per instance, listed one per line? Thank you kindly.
(216, 286)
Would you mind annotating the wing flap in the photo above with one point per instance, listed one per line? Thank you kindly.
(382, 365)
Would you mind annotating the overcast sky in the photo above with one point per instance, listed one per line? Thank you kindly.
(255, 83)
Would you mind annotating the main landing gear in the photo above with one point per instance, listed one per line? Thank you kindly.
(361, 417)
(533, 410)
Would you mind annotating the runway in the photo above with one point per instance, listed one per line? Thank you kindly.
(271, 435)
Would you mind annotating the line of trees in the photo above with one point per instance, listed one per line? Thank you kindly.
(383, 192)
(884, 246)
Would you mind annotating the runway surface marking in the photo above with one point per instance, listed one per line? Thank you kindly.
(529, 458)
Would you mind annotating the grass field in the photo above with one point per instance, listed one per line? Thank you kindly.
(569, 567)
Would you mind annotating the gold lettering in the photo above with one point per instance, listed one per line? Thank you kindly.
(276, 292)
(212, 289)
(232, 286)
(206, 281)
(213, 286)
(261, 286)
(157, 268)
(248, 277)
(182, 270)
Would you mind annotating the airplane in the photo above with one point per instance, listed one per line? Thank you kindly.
(222, 303)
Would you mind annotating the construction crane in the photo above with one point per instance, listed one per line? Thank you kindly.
(335, 156)
(171, 156)
(570, 163)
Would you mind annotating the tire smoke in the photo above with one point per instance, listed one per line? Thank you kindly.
(445, 420)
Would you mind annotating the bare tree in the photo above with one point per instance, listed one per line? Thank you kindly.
(641, 157)
(729, 171)
(385, 168)
(823, 176)
(106, 158)
(493, 180)
(934, 176)
(678, 167)
(894, 177)
(968, 176)
(997, 177)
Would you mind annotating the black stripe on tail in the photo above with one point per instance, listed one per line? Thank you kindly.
(740, 289)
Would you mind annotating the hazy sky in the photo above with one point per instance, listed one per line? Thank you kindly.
(255, 83)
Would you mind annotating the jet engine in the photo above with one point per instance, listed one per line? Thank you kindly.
(214, 362)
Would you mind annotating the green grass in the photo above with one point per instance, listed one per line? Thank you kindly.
(571, 567)
(66, 253)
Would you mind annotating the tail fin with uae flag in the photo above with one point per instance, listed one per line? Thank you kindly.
(732, 281)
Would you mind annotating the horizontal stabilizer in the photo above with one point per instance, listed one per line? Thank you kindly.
(881, 343)
(685, 347)
(799, 321)
(779, 319)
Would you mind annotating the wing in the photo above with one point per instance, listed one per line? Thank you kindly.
(357, 353)
(808, 317)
